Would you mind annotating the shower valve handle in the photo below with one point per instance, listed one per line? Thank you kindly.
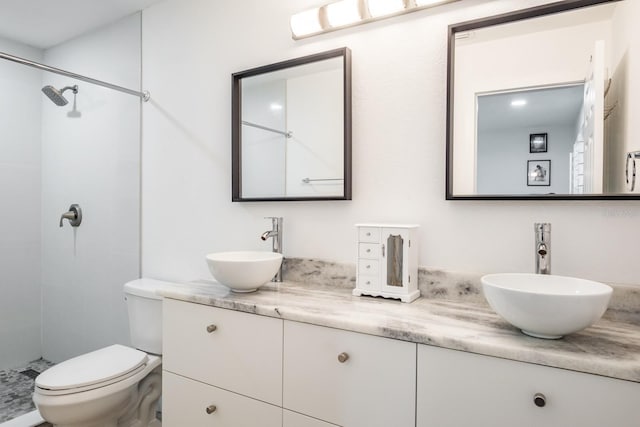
(74, 215)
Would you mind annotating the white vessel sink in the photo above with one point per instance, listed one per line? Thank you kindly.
(546, 306)
(244, 271)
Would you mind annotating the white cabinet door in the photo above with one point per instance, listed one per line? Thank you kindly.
(235, 351)
(373, 387)
(292, 419)
(188, 403)
(457, 389)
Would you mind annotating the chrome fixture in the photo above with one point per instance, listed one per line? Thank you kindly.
(276, 233)
(630, 169)
(74, 215)
(348, 13)
(56, 95)
(145, 96)
(543, 247)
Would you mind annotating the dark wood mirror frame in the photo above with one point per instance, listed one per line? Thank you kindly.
(236, 108)
(538, 11)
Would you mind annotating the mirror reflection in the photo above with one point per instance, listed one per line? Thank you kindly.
(290, 134)
(539, 105)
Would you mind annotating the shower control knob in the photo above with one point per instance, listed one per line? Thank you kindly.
(540, 400)
(211, 328)
(211, 409)
(343, 357)
(73, 215)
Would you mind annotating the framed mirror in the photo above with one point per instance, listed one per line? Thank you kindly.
(292, 130)
(539, 104)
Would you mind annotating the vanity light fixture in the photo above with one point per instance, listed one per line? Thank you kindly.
(348, 13)
(516, 103)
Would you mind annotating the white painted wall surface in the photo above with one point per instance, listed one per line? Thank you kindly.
(263, 152)
(621, 129)
(503, 156)
(315, 115)
(92, 161)
(399, 101)
(20, 170)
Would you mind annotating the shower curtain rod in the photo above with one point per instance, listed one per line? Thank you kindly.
(145, 96)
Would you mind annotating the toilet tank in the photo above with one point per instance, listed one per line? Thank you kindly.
(144, 306)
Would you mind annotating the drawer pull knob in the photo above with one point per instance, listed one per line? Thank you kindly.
(368, 251)
(368, 234)
(540, 400)
(211, 328)
(368, 282)
(211, 409)
(368, 266)
(343, 357)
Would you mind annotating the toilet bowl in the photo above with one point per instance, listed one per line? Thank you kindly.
(116, 386)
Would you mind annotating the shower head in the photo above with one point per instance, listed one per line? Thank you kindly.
(56, 95)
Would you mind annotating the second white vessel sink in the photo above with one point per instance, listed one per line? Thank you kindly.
(546, 306)
(244, 271)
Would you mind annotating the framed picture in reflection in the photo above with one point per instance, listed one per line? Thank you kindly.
(538, 173)
(538, 143)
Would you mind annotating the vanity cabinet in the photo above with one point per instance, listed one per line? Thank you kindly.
(191, 403)
(234, 351)
(347, 378)
(293, 419)
(462, 389)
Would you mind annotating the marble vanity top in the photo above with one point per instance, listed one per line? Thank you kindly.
(610, 348)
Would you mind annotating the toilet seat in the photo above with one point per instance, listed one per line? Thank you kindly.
(93, 370)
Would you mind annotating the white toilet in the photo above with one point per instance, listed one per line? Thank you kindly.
(116, 385)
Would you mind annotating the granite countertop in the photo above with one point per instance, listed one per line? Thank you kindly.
(610, 348)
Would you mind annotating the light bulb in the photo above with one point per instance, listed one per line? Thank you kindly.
(378, 8)
(305, 23)
(343, 13)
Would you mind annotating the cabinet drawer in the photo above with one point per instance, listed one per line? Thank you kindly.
(369, 234)
(373, 387)
(370, 283)
(464, 389)
(292, 419)
(185, 403)
(369, 250)
(369, 267)
(243, 354)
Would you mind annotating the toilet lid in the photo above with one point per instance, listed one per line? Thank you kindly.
(92, 368)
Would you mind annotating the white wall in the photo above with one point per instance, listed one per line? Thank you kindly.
(315, 115)
(190, 49)
(20, 212)
(263, 152)
(621, 129)
(503, 156)
(93, 161)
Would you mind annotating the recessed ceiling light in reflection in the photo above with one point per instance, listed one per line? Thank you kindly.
(275, 107)
(342, 13)
(516, 103)
(378, 8)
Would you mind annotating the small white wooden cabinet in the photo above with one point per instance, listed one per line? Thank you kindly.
(387, 261)
(457, 389)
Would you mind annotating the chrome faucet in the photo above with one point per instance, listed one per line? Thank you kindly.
(276, 234)
(543, 247)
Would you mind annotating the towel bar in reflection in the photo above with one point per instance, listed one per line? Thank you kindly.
(310, 180)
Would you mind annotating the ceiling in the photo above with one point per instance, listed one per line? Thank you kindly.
(46, 23)
(547, 106)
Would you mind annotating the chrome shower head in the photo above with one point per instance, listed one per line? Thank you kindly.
(56, 95)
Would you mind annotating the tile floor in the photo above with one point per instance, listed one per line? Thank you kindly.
(16, 389)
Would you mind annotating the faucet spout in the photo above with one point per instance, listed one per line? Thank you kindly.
(276, 246)
(543, 248)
